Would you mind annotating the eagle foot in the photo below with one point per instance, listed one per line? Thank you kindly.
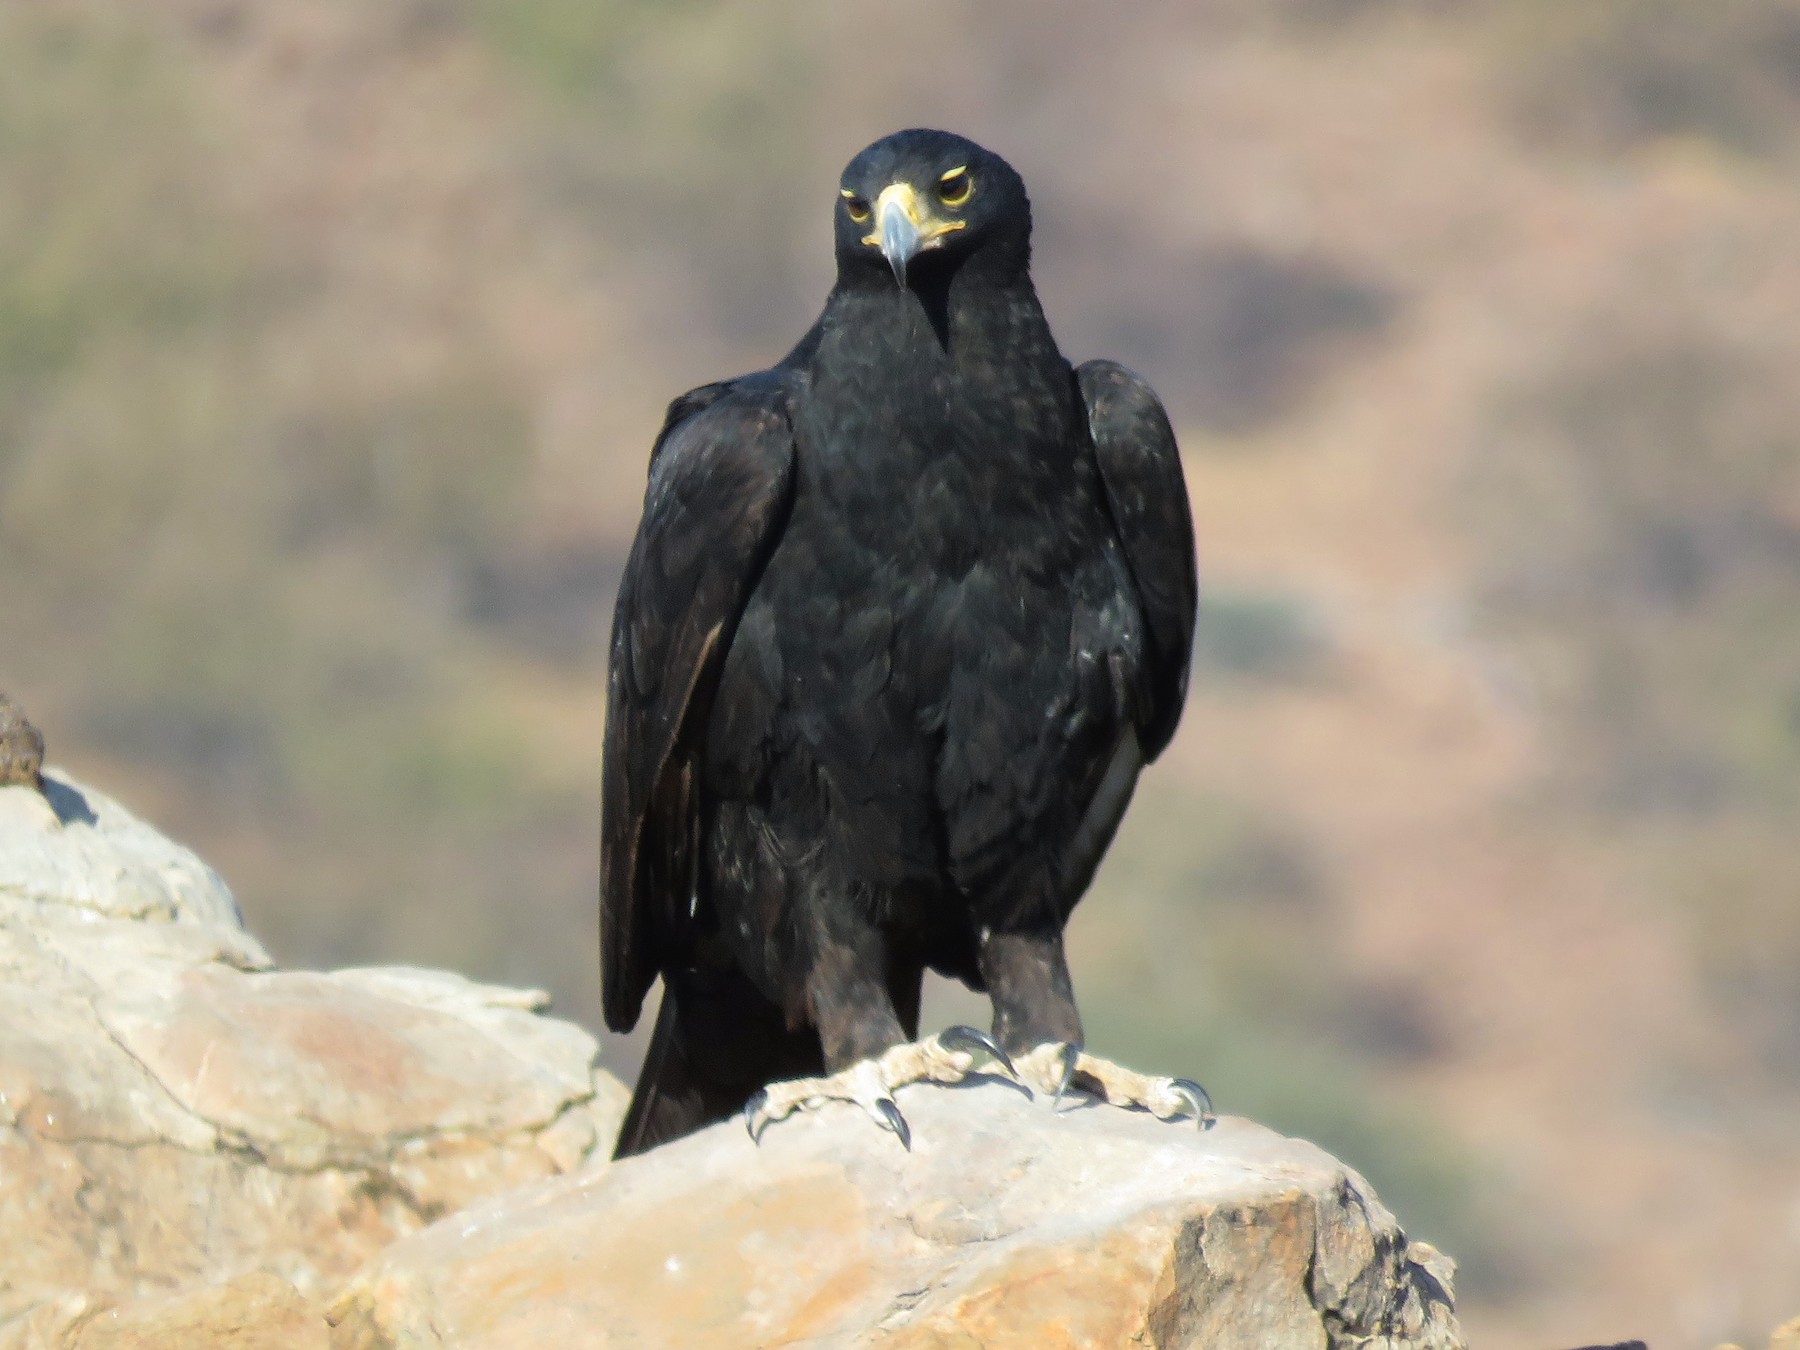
(1058, 1067)
(951, 1056)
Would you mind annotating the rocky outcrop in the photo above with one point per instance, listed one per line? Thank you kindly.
(198, 1151)
(176, 1114)
(1005, 1226)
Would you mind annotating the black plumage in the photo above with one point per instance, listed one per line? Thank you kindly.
(904, 617)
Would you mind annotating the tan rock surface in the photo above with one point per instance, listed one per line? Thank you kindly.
(175, 1114)
(252, 1312)
(69, 845)
(1006, 1226)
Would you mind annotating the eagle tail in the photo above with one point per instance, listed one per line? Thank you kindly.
(712, 1048)
(661, 1105)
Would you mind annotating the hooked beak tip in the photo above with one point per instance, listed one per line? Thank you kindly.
(900, 238)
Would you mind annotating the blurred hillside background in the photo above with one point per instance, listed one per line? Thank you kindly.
(333, 335)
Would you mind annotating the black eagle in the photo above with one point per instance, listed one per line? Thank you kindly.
(905, 616)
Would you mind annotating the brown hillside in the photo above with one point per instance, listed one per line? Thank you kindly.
(333, 335)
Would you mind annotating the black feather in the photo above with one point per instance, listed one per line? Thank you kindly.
(904, 617)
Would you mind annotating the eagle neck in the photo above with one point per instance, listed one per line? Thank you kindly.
(944, 323)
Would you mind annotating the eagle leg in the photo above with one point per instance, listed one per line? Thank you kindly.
(952, 1056)
(1058, 1067)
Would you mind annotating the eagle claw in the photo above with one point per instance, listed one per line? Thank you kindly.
(889, 1114)
(1199, 1100)
(975, 1044)
(1053, 1067)
(949, 1057)
(755, 1121)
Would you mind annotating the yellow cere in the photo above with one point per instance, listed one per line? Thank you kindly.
(931, 227)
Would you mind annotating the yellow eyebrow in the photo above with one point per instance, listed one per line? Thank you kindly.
(946, 176)
(845, 192)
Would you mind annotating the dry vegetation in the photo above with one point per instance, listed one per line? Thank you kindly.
(332, 336)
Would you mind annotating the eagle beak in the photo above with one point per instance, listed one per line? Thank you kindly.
(904, 228)
(899, 228)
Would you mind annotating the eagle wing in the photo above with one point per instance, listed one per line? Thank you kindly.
(1141, 467)
(721, 483)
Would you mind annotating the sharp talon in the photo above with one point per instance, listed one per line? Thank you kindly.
(1198, 1099)
(889, 1115)
(1070, 1053)
(752, 1109)
(973, 1042)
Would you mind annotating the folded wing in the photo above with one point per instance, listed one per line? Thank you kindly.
(721, 483)
(1141, 467)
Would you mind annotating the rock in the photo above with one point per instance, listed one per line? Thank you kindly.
(252, 1312)
(70, 846)
(1006, 1226)
(175, 1114)
(200, 1151)
(21, 746)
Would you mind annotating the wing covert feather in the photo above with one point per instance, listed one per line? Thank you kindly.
(1141, 467)
(721, 482)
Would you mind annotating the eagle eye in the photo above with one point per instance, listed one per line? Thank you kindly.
(858, 207)
(955, 187)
